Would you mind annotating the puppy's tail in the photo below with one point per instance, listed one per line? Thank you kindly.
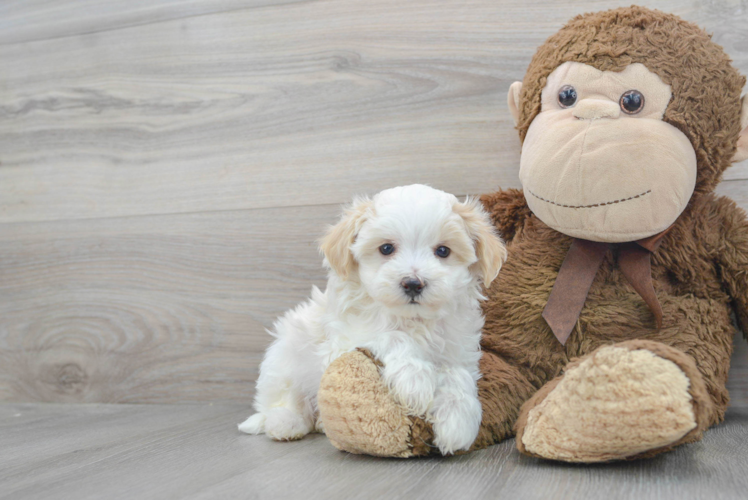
(254, 424)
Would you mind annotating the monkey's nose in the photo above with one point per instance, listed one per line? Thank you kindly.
(412, 286)
(592, 109)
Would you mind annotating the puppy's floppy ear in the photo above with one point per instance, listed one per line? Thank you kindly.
(336, 244)
(489, 248)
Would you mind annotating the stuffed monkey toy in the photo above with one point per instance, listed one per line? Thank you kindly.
(608, 332)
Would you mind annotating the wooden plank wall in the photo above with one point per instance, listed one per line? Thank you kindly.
(165, 167)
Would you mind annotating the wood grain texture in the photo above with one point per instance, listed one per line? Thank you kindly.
(165, 167)
(737, 383)
(169, 308)
(735, 189)
(195, 451)
(228, 110)
(32, 20)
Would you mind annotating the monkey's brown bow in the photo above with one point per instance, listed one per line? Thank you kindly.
(578, 272)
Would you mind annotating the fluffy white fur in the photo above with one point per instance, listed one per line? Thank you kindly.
(429, 344)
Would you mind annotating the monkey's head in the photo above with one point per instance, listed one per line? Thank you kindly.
(625, 116)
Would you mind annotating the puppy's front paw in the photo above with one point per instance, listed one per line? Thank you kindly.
(456, 423)
(412, 383)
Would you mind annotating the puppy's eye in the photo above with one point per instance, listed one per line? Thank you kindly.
(386, 249)
(442, 252)
(567, 96)
(632, 102)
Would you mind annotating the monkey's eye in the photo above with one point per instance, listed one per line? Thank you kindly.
(442, 252)
(567, 96)
(387, 249)
(632, 102)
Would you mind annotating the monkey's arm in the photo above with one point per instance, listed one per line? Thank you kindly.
(508, 210)
(733, 258)
(502, 390)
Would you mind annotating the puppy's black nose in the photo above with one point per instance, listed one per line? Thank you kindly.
(412, 286)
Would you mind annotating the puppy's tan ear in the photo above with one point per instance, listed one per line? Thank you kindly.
(489, 248)
(336, 244)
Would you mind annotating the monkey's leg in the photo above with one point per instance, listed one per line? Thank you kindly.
(361, 416)
(628, 400)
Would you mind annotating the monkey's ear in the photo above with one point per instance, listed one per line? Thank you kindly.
(512, 99)
(742, 152)
(336, 244)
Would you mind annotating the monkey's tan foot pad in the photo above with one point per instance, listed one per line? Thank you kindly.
(360, 415)
(629, 400)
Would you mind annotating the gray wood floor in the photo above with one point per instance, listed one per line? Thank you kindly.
(166, 166)
(126, 451)
(194, 451)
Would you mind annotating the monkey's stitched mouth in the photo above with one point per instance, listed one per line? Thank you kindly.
(591, 206)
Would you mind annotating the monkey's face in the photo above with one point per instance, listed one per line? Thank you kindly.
(598, 161)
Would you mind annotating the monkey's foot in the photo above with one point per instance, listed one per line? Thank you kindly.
(362, 417)
(629, 400)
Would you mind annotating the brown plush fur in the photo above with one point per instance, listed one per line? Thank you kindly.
(706, 88)
(700, 272)
(361, 416)
(696, 280)
(700, 401)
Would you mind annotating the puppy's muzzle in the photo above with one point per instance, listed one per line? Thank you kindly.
(412, 287)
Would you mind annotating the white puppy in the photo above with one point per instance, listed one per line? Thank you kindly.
(406, 270)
